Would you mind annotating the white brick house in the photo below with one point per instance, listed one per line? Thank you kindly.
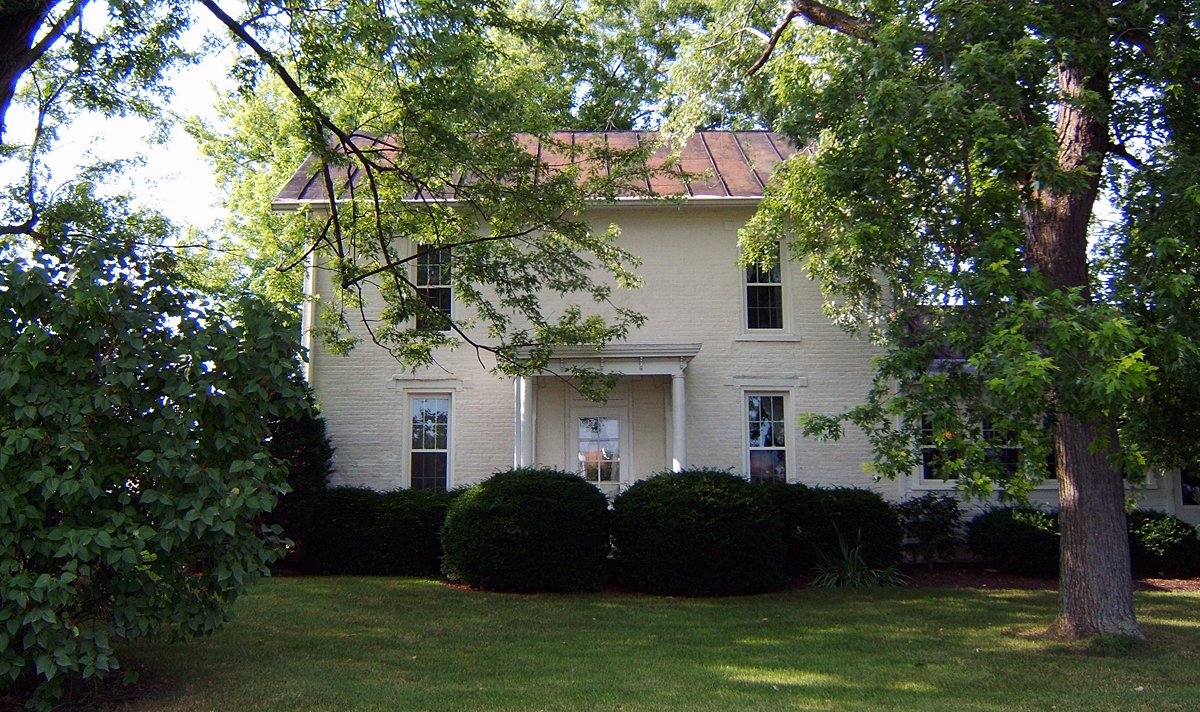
(726, 360)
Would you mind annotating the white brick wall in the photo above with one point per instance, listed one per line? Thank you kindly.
(693, 293)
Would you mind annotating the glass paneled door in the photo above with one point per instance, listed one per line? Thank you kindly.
(599, 451)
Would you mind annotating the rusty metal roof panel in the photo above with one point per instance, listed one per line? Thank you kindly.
(715, 164)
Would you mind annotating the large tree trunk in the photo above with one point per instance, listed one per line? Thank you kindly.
(19, 22)
(1096, 583)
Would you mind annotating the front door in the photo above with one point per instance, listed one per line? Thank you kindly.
(601, 451)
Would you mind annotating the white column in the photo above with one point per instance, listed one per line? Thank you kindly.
(524, 422)
(678, 424)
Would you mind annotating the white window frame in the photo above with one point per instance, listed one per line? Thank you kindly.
(784, 331)
(789, 431)
(410, 397)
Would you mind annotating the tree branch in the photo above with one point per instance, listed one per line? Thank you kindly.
(817, 14)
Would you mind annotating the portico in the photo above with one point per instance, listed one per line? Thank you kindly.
(612, 443)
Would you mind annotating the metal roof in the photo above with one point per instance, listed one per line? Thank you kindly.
(728, 165)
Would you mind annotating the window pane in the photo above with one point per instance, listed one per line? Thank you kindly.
(764, 307)
(429, 471)
(430, 423)
(765, 420)
(768, 466)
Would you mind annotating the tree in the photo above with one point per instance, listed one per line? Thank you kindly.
(136, 472)
(134, 460)
(956, 152)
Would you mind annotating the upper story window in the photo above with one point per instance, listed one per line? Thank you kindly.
(764, 296)
(433, 286)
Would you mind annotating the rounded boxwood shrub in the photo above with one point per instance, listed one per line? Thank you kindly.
(1162, 545)
(814, 518)
(698, 533)
(364, 532)
(528, 530)
(1018, 540)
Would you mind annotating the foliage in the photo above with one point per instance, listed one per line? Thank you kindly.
(1018, 540)
(847, 569)
(528, 530)
(364, 532)
(698, 533)
(134, 465)
(816, 519)
(1163, 545)
(934, 522)
(300, 443)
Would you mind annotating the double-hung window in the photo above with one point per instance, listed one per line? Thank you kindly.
(1189, 487)
(766, 430)
(764, 296)
(429, 455)
(433, 286)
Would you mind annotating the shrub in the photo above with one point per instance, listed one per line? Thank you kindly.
(301, 444)
(528, 530)
(934, 523)
(134, 471)
(364, 532)
(1160, 544)
(814, 518)
(1018, 540)
(698, 533)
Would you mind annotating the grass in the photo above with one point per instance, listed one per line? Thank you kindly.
(414, 644)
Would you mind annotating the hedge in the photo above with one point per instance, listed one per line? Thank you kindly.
(1018, 540)
(528, 530)
(698, 533)
(813, 518)
(364, 532)
(1162, 545)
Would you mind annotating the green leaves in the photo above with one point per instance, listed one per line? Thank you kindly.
(126, 454)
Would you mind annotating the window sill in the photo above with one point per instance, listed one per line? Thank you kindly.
(768, 336)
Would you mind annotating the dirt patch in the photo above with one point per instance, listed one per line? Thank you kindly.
(979, 575)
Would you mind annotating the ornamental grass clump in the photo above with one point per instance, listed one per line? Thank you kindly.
(698, 533)
(528, 530)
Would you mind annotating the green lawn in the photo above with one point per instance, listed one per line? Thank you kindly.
(414, 644)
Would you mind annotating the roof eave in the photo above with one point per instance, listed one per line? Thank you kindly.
(292, 206)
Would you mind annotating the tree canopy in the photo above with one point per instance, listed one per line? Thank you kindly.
(945, 204)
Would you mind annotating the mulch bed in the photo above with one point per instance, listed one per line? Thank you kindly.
(971, 574)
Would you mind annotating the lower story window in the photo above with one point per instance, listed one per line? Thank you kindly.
(429, 459)
(600, 449)
(768, 451)
(1189, 486)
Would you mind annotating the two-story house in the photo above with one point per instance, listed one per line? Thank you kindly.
(727, 358)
